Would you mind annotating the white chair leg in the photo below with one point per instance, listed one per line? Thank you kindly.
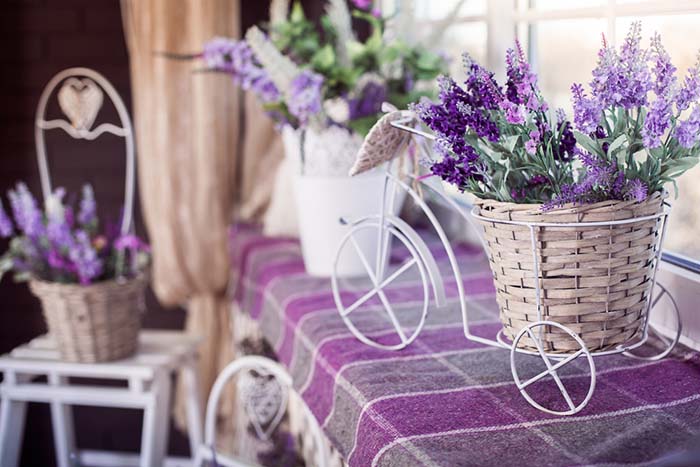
(12, 415)
(194, 408)
(62, 424)
(156, 418)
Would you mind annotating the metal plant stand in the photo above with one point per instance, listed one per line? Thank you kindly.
(386, 226)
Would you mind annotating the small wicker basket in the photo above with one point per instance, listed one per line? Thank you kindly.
(94, 323)
(595, 280)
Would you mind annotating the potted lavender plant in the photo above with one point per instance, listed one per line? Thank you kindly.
(325, 90)
(636, 132)
(90, 282)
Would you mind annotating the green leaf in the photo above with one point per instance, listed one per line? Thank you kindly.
(617, 144)
(428, 61)
(363, 125)
(587, 142)
(511, 142)
(324, 58)
(297, 14)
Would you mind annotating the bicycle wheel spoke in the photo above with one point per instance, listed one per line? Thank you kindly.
(359, 302)
(553, 371)
(548, 371)
(563, 390)
(658, 297)
(364, 261)
(397, 273)
(392, 316)
(384, 234)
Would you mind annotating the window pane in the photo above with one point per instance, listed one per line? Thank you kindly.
(568, 4)
(564, 52)
(464, 37)
(684, 223)
(432, 10)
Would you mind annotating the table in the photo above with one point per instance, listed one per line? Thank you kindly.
(445, 400)
(147, 378)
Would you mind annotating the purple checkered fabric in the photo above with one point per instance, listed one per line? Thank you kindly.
(445, 400)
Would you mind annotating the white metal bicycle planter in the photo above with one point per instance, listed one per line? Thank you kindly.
(387, 225)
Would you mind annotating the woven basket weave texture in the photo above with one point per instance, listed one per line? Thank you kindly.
(595, 280)
(94, 323)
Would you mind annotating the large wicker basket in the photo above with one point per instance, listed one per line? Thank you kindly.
(93, 323)
(595, 280)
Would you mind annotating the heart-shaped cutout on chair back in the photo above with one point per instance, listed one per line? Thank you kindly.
(80, 100)
(264, 400)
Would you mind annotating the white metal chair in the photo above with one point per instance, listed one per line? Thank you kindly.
(265, 388)
(147, 373)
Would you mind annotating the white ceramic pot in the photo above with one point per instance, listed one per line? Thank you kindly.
(323, 193)
(321, 203)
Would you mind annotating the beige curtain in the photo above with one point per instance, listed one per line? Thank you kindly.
(187, 135)
(262, 153)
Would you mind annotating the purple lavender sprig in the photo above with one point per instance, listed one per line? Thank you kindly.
(50, 246)
(25, 210)
(237, 59)
(637, 105)
(493, 140)
(305, 96)
(7, 228)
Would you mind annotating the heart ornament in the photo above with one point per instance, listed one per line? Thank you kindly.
(264, 400)
(80, 100)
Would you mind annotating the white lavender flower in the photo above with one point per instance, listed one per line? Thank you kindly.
(337, 109)
(87, 215)
(339, 16)
(278, 12)
(279, 67)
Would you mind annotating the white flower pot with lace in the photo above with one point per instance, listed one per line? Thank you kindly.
(325, 194)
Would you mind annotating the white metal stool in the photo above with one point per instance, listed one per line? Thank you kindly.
(147, 375)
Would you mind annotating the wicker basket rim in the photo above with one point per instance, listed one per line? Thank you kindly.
(140, 278)
(484, 205)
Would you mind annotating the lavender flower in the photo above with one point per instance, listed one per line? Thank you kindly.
(87, 216)
(369, 101)
(515, 113)
(58, 231)
(28, 217)
(224, 54)
(6, 226)
(690, 91)
(521, 86)
(87, 264)
(237, 59)
(457, 170)
(561, 116)
(567, 143)
(622, 79)
(636, 190)
(688, 131)
(658, 119)
(587, 112)
(305, 98)
(532, 143)
(602, 180)
(362, 4)
(132, 242)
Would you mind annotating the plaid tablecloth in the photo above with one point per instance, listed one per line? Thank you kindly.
(445, 400)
